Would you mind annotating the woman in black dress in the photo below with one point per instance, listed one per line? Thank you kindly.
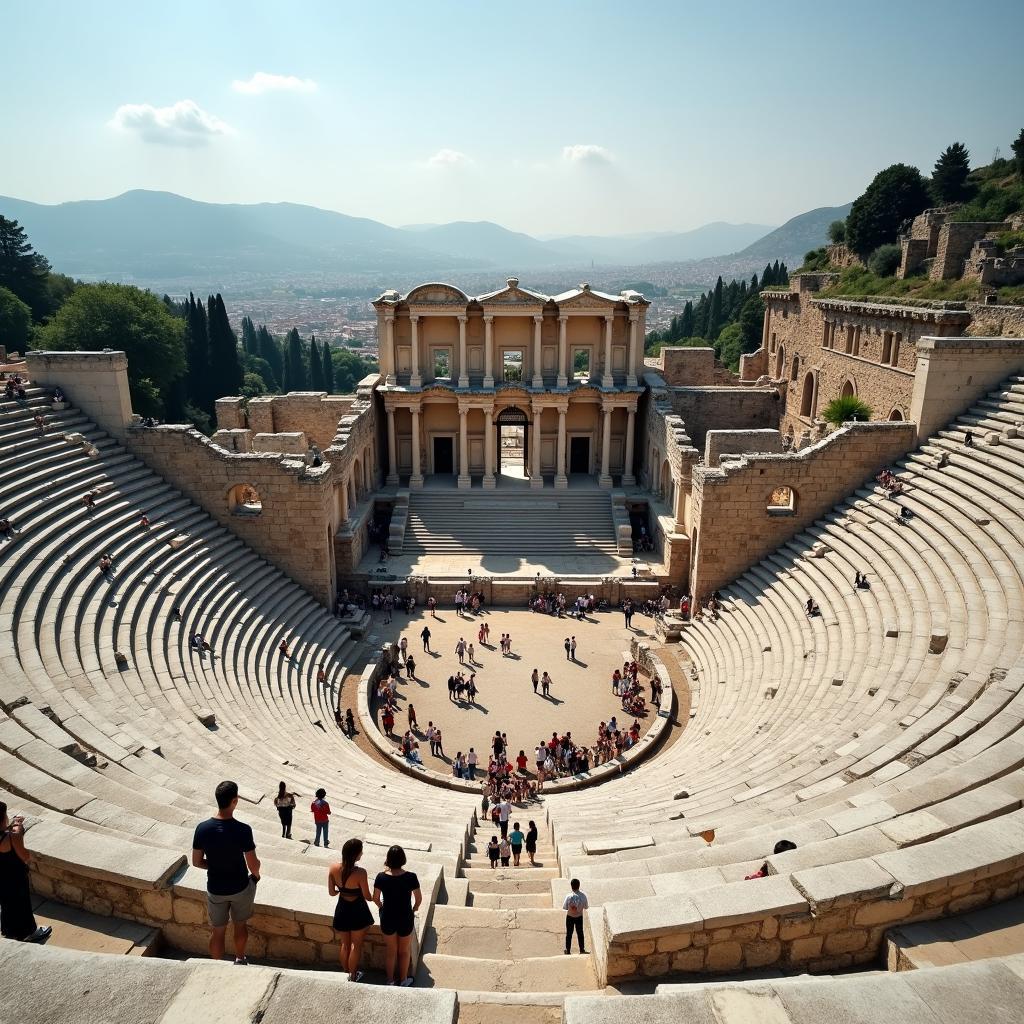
(531, 842)
(285, 804)
(352, 915)
(16, 919)
(393, 890)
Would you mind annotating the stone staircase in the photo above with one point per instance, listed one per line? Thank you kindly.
(508, 938)
(561, 523)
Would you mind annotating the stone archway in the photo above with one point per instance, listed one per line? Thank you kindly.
(849, 389)
(512, 436)
(807, 396)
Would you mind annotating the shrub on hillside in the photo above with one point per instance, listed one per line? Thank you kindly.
(885, 260)
(837, 232)
(850, 409)
(896, 195)
(15, 321)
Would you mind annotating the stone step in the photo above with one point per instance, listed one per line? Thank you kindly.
(509, 901)
(497, 934)
(574, 973)
(91, 933)
(511, 875)
(511, 881)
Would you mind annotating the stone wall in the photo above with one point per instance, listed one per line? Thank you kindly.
(995, 321)
(678, 365)
(736, 442)
(820, 919)
(109, 876)
(291, 530)
(732, 525)
(952, 373)
(95, 382)
(314, 413)
(954, 243)
(724, 408)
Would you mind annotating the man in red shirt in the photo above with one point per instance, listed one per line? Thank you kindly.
(321, 816)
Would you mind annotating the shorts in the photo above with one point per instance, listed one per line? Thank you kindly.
(400, 926)
(238, 905)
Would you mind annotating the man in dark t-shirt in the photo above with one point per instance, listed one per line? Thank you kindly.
(226, 850)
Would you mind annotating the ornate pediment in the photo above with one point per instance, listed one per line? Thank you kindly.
(436, 294)
(585, 298)
(512, 295)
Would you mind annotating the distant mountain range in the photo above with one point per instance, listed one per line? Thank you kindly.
(158, 236)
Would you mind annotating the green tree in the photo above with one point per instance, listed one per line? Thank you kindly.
(715, 312)
(729, 346)
(949, 177)
(118, 316)
(294, 363)
(15, 321)
(316, 366)
(198, 392)
(896, 195)
(250, 343)
(225, 367)
(327, 369)
(1018, 151)
(22, 270)
(270, 351)
(253, 385)
(686, 321)
(885, 260)
(837, 232)
(846, 410)
(349, 370)
(751, 322)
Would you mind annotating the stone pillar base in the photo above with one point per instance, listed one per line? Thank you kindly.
(631, 381)
(536, 482)
(463, 382)
(464, 482)
(538, 382)
(607, 381)
(629, 480)
(563, 382)
(489, 483)
(416, 482)
(561, 482)
(391, 480)
(416, 382)
(488, 382)
(604, 481)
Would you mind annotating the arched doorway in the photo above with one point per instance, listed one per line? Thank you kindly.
(513, 439)
(849, 390)
(807, 397)
(896, 415)
(780, 362)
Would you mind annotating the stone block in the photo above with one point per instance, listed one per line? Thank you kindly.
(157, 905)
(655, 965)
(794, 928)
(621, 967)
(801, 950)
(270, 924)
(883, 912)
(834, 886)
(650, 918)
(673, 943)
(724, 956)
(319, 933)
(189, 912)
(848, 941)
(762, 953)
(280, 947)
(740, 902)
(642, 948)
(687, 960)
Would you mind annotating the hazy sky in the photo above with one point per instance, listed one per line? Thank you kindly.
(555, 117)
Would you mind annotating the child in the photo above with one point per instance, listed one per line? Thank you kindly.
(493, 850)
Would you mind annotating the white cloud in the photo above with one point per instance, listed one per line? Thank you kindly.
(586, 154)
(448, 158)
(262, 82)
(184, 123)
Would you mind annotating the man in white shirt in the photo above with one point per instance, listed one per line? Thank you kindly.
(504, 813)
(574, 905)
(473, 760)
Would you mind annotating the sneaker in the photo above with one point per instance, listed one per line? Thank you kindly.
(567, 952)
(40, 934)
(583, 952)
(359, 976)
(241, 961)
(406, 983)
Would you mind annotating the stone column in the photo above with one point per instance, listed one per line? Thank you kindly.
(538, 378)
(416, 480)
(488, 351)
(767, 325)
(605, 479)
(392, 477)
(489, 481)
(415, 380)
(607, 380)
(631, 378)
(387, 356)
(628, 480)
(536, 480)
(343, 524)
(464, 480)
(463, 368)
(561, 480)
(563, 380)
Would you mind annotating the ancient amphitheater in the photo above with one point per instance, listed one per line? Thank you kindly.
(881, 736)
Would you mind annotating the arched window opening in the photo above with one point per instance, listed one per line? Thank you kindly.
(849, 390)
(807, 396)
(896, 415)
(782, 501)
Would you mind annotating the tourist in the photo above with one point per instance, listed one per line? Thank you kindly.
(574, 905)
(432, 607)
(780, 847)
(534, 679)
(393, 889)
(224, 848)
(106, 565)
(812, 608)
(403, 649)
(531, 843)
(425, 637)
(438, 744)
(616, 682)
(504, 813)
(567, 648)
(285, 804)
(627, 612)
(516, 840)
(352, 914)
(350, 723)
(6, 530)
(471, 653)
(410, 667)
(505, 851)
(387, 720)
(572, 648)
(321, 817)
(458, 765)
(471, 688)
(283, 648)
(521, 762)
(321, 674)
(968, 439)
(431, 733)
(17, 921)
(493, 852)
(545, 684)
(539, 755)
(460, 650)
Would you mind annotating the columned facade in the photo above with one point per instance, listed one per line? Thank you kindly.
(511, 385)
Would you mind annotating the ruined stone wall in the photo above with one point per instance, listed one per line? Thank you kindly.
(736, 442)
(954, 243)
(731, 520)
(728, 408)
(291, 530)
(95, 382)
(693, 367)
(313, 413)
(995, 321)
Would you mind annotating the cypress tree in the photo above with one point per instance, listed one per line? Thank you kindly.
(949, 177)
(294, 365)
(715, 312)
(316, 366)
(766, 277)
(249, 341)
(225, 366)
(754, 286)
(686, 321)
(270, 351)
(328, 369)
(197, 351)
